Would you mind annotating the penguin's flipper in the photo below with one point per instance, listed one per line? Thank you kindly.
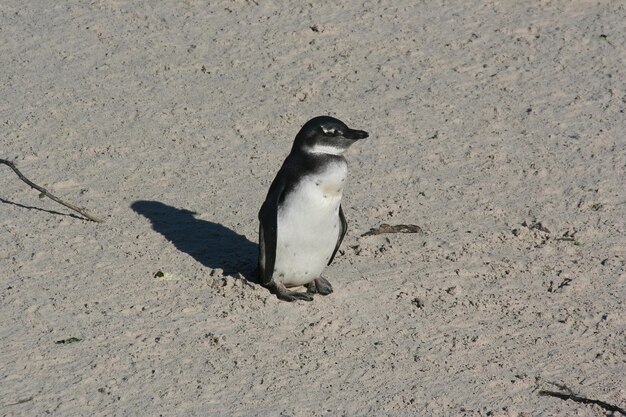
(268, 225)
(342, 233)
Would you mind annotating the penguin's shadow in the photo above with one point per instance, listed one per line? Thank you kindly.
(211, 244)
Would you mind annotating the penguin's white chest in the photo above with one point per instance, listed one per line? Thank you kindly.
(309, 226)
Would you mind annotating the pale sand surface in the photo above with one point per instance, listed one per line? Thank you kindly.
(171, 120)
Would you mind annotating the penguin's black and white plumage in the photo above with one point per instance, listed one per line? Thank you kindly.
(301, 221)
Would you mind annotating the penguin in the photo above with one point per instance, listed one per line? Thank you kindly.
(301, 222)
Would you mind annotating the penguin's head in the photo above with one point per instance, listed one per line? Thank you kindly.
(326, 135)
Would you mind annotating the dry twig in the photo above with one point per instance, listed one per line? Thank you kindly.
(399, 228)
(576, 398)
(45, 192)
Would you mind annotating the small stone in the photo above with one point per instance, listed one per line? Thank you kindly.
(217, 272)
(418, 302)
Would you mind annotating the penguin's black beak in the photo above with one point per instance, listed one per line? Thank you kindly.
(355, 134)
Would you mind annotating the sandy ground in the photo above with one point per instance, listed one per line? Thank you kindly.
(497, 127)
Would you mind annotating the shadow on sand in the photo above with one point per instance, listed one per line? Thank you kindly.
(211, 244)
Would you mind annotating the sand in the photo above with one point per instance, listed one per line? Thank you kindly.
(496, 127)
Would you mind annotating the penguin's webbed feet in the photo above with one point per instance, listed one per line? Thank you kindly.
(319, 286)
(284, 294)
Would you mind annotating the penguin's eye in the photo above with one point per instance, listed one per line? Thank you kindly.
(330, 131)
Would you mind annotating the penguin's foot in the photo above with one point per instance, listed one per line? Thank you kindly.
(319, 286)
(284, 294)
